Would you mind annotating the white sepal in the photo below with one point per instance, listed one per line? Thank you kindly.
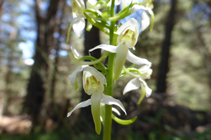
(109, 48)
(137, 60)
(111, 101)
(132, 85)
(80, 105)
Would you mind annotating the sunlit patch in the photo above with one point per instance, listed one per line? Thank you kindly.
(29, 61)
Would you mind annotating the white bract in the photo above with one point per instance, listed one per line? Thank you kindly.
(128, 36)
(93, 84)
(138, 81)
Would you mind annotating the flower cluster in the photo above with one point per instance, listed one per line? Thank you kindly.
(125, 38)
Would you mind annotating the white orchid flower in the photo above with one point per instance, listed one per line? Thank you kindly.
(93, 84)
(145, 19)
(78, 6)
(138, 82)
(128, 36)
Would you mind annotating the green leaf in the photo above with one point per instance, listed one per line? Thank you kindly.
(103, 26)
(124, 122)
(99, 66)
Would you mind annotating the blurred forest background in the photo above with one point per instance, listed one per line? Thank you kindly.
(36, 95)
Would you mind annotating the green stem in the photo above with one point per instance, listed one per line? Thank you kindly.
(110, 81)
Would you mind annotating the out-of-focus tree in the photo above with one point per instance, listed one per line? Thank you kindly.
(10, 62)
(46, 24)
(165, 52)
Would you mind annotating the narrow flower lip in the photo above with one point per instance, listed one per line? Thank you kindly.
(96, 113)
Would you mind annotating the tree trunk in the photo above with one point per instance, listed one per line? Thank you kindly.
(164, 62)
(38, 77)
(8, 81)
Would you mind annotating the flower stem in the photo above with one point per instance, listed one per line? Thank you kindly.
(110, 81)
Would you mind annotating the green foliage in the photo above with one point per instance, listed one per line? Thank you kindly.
(131, 135)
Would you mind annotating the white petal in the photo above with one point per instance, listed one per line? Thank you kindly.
(80, 105)
(131, 24)
(137, 60)
(132, 85)
(111, 101)
(137, 7)
(100, 77)
(145, 21)
(109, 48)
(78, 26)
(147, 89)
(73, 75)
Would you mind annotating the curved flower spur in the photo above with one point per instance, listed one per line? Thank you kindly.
(93, 84)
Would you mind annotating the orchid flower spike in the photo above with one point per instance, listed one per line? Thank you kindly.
(128, 36)
(138, 81)
(93, 84)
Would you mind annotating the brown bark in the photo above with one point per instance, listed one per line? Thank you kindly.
(164, 62)
(1, 9)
